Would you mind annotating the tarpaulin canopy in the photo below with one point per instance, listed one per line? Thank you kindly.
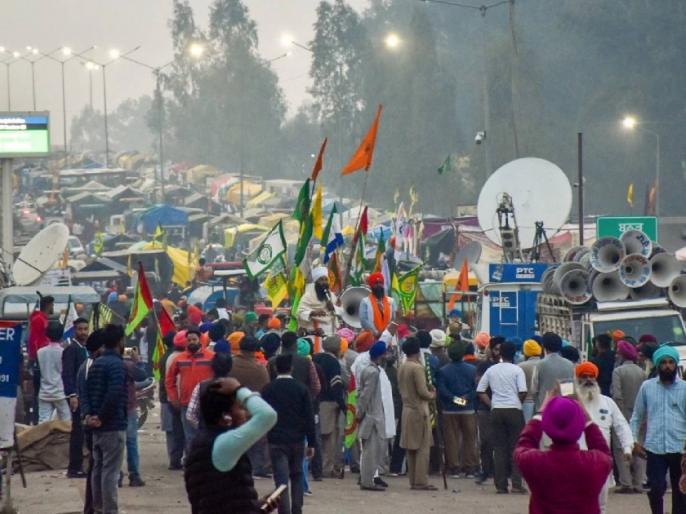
(250, 189)
(163, 215)
(230, 234)
(259, 199)
(184, 262)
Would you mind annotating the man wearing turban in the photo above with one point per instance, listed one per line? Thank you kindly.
(316, 310)
(377, 310)
(660, 405)
(604, 413)
(626, 382)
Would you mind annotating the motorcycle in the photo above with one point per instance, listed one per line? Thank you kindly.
(145, 401)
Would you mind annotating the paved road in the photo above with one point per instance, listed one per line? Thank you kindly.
(51, 493)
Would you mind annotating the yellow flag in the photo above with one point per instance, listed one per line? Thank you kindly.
(317, 215)
(277, 288)
(630, 194)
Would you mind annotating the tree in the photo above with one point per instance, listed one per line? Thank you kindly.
(232, 114)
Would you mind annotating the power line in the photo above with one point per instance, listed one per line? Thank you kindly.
(481, 8)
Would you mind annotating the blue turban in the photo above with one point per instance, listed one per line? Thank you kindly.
(377, 350)
(663, 352)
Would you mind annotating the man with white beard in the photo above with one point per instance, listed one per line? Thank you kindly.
(604, 413)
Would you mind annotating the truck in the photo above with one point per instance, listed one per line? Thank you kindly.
(578, 324)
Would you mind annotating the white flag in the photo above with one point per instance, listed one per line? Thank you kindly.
(270, 249)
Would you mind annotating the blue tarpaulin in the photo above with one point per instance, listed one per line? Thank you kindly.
(163, 215)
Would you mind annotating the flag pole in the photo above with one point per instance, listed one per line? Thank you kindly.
(357, 228)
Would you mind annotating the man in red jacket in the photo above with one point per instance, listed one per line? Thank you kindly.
(191, 367)
(563, 479)
(37, 339)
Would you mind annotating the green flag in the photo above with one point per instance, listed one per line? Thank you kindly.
(446, 166)
(405, 288)
(269, 251)
(306, 228)
(302, 206)
(359, 264)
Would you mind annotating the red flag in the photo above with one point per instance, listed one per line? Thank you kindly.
(362, 159)
(650, 200)
(166, 323)
(142, 302)
(319, 163)
(362, 226)
(461, 285)
(335, 282)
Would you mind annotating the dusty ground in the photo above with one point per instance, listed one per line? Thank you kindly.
(51, 493)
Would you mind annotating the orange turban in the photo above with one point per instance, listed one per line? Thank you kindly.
(364, 341)
(587, 368)
(482, 339)
(617, 335)
(344, 345)
(274, 324)
(235, 341)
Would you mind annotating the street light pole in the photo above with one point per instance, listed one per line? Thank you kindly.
(632, 123)
(104, 110)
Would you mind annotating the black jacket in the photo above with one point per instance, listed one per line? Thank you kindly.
(291, 401)
(332, 383)
(211, 491)
(72, 357)
(106, 391)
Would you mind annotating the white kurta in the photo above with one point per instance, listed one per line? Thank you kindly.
(308, 303)
(362, 361)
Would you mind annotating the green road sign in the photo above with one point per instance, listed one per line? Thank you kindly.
(615, 226)
(24, 134)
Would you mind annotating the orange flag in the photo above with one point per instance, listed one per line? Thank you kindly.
(362, 159)
(319, 163)
(461, 285)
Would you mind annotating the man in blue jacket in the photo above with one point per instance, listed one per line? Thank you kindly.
(107, 417)
(457, 393)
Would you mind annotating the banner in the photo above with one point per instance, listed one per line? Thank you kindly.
(10, 362)
(277, 288)
(271, 249)
(405, 289)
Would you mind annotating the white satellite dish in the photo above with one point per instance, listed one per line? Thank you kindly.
(540, 191)
(471, 252)
(40, 254)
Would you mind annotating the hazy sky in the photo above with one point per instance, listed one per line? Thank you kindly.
(125, 24)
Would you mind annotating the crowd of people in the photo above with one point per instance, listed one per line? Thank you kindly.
(243, 397)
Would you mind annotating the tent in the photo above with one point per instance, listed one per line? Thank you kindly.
(164, 215)
(183, 261)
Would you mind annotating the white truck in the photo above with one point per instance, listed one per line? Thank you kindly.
(579, 324)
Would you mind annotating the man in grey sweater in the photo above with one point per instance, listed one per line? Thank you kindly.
(551, 369)
(51, 395)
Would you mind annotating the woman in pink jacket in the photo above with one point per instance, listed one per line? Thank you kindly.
(563, 479)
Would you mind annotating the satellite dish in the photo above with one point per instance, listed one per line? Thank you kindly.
(471, 252)
(40, 254)
(540, 191)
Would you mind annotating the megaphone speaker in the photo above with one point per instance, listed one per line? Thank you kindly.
(607, 287)
(665, 268)
(636, 241)
(574, 287)
(634, 271)
(607, 254)
(677, 291)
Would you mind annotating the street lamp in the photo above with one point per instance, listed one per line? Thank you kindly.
(392, 40)
(34, 52)
(7, 64)
(114, 54)
(91, 67)
(631, 123)
(196, 51)
(67, 55)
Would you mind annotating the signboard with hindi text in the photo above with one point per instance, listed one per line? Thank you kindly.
(610, 226)
(24, 134)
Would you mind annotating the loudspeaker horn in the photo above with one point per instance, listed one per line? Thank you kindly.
(574, 287)
(645, 292)
(607, 254)
(634, 271)
(570, 256)
(636, 241)
(677, 291)
(350, 302)
(563, 269)
(607, 287)
(665, 268)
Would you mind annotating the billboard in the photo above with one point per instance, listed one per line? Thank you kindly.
(24, 134)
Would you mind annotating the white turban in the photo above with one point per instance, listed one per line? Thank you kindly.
(320, 272)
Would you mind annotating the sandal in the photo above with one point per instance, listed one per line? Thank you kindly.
(427, 487)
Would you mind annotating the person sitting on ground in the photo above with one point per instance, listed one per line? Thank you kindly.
(218, 474)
